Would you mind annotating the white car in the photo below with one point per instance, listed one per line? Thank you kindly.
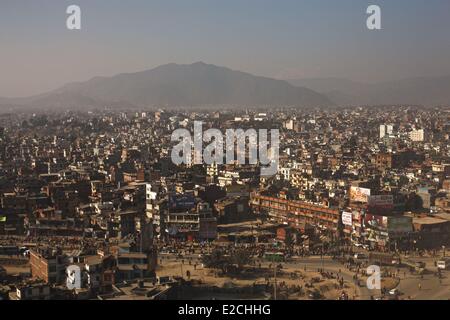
(394, 292)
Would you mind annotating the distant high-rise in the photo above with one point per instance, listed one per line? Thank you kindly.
(389, 129)
(382, 131)
(386, 130)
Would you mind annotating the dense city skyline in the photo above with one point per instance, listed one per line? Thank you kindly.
(94, 205)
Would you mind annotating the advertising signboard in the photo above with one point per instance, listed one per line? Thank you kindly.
(381, 200)
(359, 194)
(347, 218)
(395, 224)
(181, 201)
(380, 204)
(375, 222)
(399, 224)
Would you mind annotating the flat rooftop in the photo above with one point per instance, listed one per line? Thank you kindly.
(428, 220)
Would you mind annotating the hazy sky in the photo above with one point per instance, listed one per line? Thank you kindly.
(275, 38)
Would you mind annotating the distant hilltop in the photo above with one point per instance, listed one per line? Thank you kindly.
(196, 84)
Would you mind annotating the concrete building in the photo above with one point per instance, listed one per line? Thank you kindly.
(417, 135)
(295, 213)
(48, 265)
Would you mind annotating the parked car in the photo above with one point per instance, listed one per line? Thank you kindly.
(394, 292)
(443, 264)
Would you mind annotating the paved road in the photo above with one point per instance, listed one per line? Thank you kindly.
(330, 265)
(431, 287)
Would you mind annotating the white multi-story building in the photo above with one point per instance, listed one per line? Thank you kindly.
(386, 130)
(417, 135)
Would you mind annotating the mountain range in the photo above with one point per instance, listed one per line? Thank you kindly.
(426, 91)
(174, 85)
(201, 84)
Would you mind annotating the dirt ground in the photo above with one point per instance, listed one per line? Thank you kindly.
(327, 287)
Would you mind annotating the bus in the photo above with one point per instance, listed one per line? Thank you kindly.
(274, 256)
(443, 264)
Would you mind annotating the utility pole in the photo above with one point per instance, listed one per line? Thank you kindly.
(322, 254)
(275, 287)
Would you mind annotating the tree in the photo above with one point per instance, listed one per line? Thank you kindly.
(216, 260)
(289, 240)
(241, 257)
(413, 202)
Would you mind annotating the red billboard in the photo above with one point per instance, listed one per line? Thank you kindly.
(380, 204)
